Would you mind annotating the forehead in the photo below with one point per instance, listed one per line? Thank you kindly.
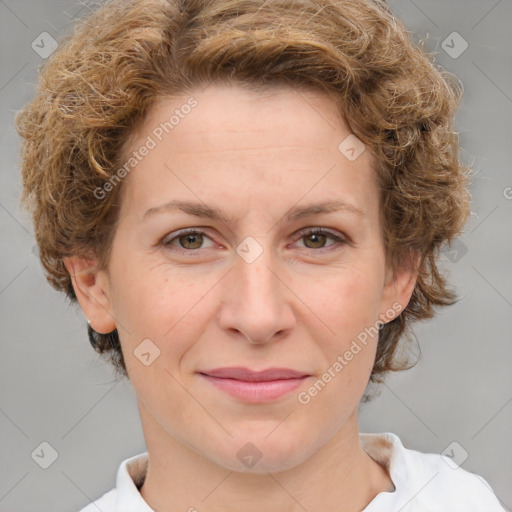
(215, 109)
(231, 140)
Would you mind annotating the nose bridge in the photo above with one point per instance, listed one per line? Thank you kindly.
(256, 273)
(257, 305)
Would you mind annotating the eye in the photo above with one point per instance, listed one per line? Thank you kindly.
(316, 239)
(190, 240)
(186, 240)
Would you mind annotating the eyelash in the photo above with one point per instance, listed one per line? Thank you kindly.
(166, 243)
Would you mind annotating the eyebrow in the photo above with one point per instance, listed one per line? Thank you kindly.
(295, 213)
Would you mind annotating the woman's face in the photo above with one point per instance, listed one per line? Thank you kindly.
(250, 286)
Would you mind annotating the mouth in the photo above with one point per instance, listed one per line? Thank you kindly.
(255, 386)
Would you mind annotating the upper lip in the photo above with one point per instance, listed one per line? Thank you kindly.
(241, 373)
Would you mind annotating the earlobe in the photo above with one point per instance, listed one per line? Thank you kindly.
(92, 291)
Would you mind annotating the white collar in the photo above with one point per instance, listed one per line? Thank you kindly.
(423, 481)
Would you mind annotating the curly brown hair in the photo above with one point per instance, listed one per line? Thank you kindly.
(123, 57)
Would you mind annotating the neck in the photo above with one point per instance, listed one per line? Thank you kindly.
(339, 476)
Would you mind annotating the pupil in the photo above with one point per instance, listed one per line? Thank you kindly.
(192, 239)
(317, 239)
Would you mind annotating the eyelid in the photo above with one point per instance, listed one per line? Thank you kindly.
(166, 242)
(185, 231)
(338, 238)
(323, 231)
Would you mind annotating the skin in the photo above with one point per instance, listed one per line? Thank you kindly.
(298, 305)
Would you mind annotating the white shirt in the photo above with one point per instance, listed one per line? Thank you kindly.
(424, 482)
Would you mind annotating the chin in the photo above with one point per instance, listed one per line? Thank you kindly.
(263, 455)
(267, 464)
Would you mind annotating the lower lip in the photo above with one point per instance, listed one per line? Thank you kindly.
(256, 392)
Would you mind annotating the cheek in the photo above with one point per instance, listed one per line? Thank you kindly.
(170, 313)
(170, 310)
(348, 303)
(349, 306)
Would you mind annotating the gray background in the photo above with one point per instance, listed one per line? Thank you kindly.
(55, 389)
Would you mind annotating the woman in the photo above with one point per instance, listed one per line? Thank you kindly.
(247, 199)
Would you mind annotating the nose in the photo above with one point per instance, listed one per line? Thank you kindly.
(258, 304)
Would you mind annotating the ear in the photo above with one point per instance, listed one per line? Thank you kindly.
(398, 288)
(92, 291)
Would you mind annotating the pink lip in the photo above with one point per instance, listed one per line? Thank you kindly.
(255, 387)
